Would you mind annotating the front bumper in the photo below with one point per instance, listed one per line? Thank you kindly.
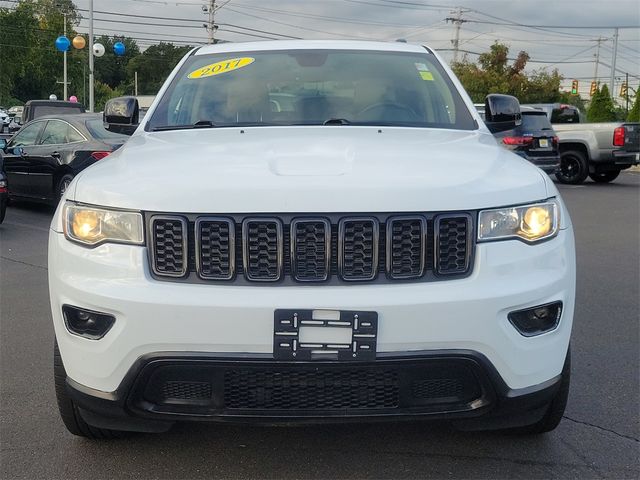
(451, 384)
(212, 320)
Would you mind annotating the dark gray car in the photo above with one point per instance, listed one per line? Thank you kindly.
(41, 160)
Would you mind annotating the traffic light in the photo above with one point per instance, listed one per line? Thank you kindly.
(594, 88)
(623, 89)
(574, 87)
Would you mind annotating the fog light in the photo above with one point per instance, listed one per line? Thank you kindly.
(87, 323)
(536, 320)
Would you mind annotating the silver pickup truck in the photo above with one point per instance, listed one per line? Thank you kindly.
(597, 150)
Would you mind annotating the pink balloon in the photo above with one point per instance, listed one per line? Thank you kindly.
(73, 98)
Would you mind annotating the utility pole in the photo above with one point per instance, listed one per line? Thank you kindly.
(626, 82)
(457, 21)
(613, 64)
(210, 25)
(91, 104)
(64, 75)
(595, 74)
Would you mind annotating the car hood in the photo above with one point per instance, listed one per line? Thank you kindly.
(310, 169)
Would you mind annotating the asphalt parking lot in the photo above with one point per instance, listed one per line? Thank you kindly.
(599, 438)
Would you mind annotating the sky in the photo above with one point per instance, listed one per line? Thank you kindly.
(553, 32)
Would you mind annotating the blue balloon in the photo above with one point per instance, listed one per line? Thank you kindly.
(62, 43)
(118, 48)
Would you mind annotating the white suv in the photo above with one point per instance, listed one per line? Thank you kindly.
(311, 231)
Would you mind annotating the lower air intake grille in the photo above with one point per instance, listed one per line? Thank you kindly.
(327, 389)
(186, 391)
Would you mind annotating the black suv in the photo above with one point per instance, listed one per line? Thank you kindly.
(534, 140)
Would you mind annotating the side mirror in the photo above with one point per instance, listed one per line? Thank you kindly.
(121, 115)
(502, 112)
(3, 143)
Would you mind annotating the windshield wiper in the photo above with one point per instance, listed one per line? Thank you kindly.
(198, 124)
(337, 121)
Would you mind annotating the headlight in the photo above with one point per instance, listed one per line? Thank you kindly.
(92, 225)
(530, 223)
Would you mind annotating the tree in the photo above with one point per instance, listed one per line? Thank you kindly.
(493, 74)
(154, 65)
(634, 113)
(111, 69)
(602, 108)
(103, 92)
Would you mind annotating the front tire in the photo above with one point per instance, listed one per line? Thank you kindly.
(555, 411)
(604, 177)
(574, 168)
(63, 184)
(69, 412)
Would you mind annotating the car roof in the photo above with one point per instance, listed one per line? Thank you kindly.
(78, 117)
(531, 111)
(310, 45)
(57, 103)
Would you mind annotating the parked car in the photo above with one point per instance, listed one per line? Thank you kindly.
(534, 140)
(369, 253)
(4, 193)
(38, 108)
(15, 124)
(42, 159)
(4, 120)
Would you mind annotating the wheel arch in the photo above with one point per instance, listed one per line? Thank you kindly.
(575, 146)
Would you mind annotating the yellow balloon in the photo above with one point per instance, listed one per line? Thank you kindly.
(79, 42)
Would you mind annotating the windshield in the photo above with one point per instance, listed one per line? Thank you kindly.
(42, 110)
(535, 121)
(311, 87)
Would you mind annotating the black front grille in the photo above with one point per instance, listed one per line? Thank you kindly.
(452, 244)
(379, 247)
(310, 249)
(406, 247)
(216, 248)
(358, 248)
(330, 389)
(263, 245)
(169, 246)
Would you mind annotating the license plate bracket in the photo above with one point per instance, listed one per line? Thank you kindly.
(363, 327)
